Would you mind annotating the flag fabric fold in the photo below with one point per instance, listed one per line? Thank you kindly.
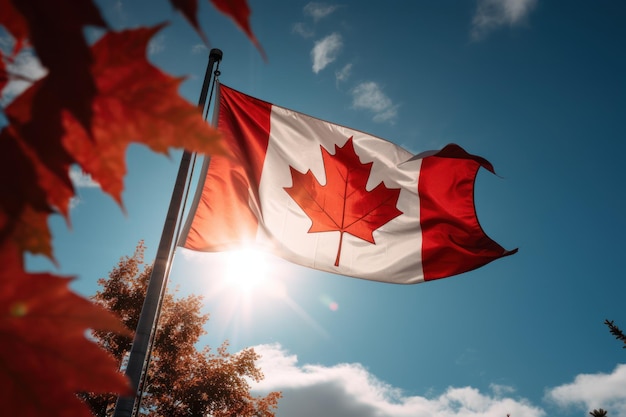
(336, 199)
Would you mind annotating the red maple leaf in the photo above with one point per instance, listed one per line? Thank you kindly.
(189, 9)
(90, 106)
(45, 356)
(239, 11)
(14, 23)
(4, 77)
(24, 206)
(343, 204)
(137, 102)
(56, 31)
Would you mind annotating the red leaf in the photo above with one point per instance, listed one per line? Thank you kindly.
(189, 9)
(24, 206)
(14, 23)
(39, 137)
(4, 78)
(31, 232)
(45, 357)
(343, 204)
(137, 102)
(30, 193)
(55, 29)
(239, 11)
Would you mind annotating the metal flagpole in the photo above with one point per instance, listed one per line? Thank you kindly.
(139, 358)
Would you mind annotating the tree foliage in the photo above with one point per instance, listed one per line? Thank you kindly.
(182, 380)
(598, 413)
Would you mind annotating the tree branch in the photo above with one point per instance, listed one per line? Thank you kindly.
(615, 331)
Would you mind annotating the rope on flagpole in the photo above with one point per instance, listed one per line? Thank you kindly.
(146, 327)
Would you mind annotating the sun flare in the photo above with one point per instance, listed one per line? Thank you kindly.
(246, 270)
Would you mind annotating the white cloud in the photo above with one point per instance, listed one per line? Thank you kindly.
(81, 179)
(27, 69)
(369, 96)
(591, 391)
(344, 73)
(501, 390)
(491, 14)
(319, 10)
(75, 201)
(302, 29)
(325, 51)
(350, 390)
(199, 48)
(156, 45)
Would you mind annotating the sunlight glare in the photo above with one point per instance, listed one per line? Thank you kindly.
(246, 270)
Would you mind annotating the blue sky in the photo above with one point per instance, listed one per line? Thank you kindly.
(536, 87)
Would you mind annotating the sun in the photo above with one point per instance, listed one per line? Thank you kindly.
(246, 270)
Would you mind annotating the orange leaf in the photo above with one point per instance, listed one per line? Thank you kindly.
(31, 232)
(239, 11)
(343, 204)
(45, 357)
(137, 102)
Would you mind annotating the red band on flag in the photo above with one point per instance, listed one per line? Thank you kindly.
(453, 240)
(230, 188)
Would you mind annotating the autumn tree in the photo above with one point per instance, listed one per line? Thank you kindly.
(182, 380)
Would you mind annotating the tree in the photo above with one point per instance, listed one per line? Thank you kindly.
(182, 381)
(598, 413)
(616, 331)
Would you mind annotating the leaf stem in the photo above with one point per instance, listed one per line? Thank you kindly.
(339, 250)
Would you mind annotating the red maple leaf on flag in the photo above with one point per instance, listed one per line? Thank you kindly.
(344, 204)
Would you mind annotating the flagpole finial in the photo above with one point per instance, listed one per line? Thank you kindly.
(215, 54)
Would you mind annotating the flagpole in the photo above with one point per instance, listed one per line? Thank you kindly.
(139, 357)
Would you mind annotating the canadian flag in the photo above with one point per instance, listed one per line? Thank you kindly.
(336, 199)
